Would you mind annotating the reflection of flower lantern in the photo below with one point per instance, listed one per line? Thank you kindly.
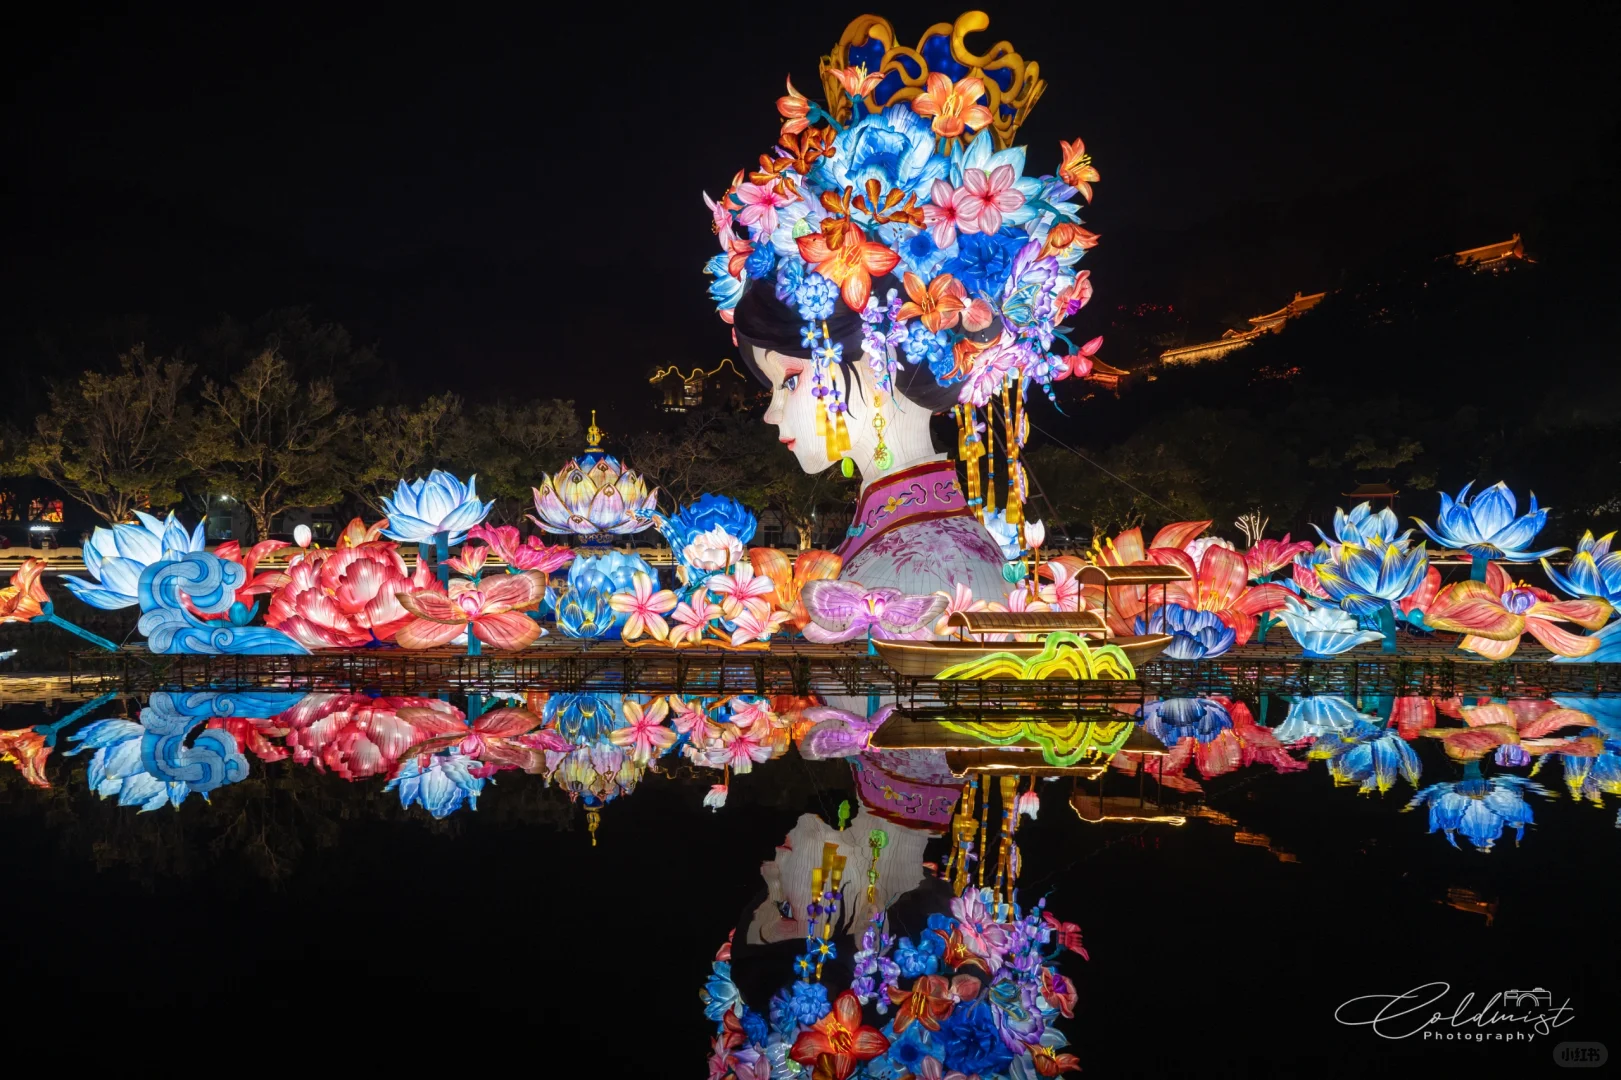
(612, 742)
(1369, 755)
(1480, 807)
(1322, 631)
(594, 494)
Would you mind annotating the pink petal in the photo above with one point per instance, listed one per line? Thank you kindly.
(425, 634)
(510, 630)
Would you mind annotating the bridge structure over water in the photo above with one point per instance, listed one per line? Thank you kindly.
(1421, 667)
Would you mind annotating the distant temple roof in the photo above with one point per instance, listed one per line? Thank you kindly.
(1493, 255)
(683, 390)
(1487, 257)
(1106, 375)
(1233, 340)
(1371, 491)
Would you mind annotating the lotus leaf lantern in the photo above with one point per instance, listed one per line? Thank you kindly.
(594, 494)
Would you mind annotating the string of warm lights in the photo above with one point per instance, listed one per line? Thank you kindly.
(675, 370)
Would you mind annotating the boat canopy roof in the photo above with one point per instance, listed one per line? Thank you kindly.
(1027, 622)
(1132, 575)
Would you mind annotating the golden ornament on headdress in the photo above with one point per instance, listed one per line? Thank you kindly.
(1023, 90)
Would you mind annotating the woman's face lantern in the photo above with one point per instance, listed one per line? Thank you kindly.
(793, 412)
(793, 407)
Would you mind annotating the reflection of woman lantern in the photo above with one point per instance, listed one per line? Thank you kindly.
(906, 798)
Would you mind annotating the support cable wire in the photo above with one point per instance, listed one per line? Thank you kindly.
(1065, 446)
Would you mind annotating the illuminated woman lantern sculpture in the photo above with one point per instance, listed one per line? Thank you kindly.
(889, 260)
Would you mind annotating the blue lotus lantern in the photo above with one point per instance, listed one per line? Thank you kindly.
(1489, 527)
(116, 769)
(117, 557)
(618, 567)
(1317, 716)
(1174, 719)
(1195, 635)
(709, 512)
(1363, 526)
(1366, 581)
(1594, 571)
(441, 786)
(583, 611)
(1322, 631)
(584, 719)
(439, 505)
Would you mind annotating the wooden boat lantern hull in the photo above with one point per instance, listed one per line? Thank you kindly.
(926, 659)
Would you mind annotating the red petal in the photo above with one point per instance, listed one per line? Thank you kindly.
(511, 591)
(1179, 534)
(1222, 577)
(857, 287)
(1589, 614)
(435, 606)
(869, 1043)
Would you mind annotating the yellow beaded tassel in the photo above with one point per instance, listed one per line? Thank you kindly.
(1015, 506)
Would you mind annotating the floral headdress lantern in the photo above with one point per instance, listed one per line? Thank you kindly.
(910, 168)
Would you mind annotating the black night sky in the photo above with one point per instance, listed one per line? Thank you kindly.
(510, 203)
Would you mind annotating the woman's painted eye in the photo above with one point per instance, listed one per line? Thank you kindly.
(786, 908)
(791, 382)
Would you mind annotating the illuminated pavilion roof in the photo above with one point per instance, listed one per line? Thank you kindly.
(1486, 257)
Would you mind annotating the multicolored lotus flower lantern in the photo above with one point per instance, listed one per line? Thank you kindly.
(594, 495)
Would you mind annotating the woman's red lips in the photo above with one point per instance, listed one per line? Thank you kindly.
(789, 443)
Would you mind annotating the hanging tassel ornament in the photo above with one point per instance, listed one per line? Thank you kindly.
(819, 381)
(984, 834)
(883, 458)
(963, 828)
(990, 458)
(1015, 505)
(877, 840)
(1004, 855)
(969, 450)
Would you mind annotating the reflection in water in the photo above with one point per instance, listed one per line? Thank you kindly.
(906, 932)
(598, 747)
(1479, 807)
(1368, 755)
(861, 959)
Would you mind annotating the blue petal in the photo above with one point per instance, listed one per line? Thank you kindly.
(1493, 510)
(96, 596)
(137, 544)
